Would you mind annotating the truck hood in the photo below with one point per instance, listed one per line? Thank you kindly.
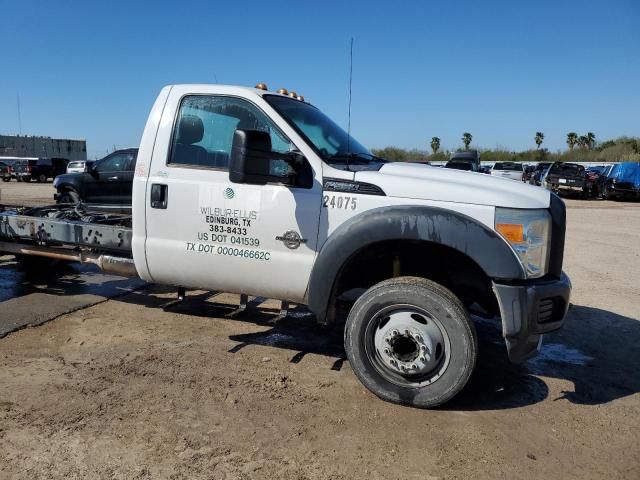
(406, 180)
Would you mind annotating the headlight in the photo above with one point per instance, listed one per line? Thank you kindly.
(528, 232)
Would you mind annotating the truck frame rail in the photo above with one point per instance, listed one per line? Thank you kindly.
(70, 233)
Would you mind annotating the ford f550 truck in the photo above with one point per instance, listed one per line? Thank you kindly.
(256, 192)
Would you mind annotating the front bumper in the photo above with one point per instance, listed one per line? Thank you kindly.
(530, 310)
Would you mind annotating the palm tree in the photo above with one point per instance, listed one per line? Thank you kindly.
(572, 140)
(591, 140)
(583, 141)
(466, 139)
(435, 144)
(539, 138)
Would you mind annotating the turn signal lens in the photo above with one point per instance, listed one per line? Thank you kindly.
(283, 91)
(293, 94)
(261, 86)
(512, 232)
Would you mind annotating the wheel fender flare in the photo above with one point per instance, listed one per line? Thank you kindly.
(437, 225)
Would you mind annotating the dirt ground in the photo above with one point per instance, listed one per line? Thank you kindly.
(126, 390)
(22, 193)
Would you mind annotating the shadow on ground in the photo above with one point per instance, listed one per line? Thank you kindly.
(597, 351)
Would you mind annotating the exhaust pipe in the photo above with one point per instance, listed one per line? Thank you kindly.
(107, 263)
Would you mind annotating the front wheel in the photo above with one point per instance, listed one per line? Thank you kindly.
(410, 341)
(42, 178)
(69, 197)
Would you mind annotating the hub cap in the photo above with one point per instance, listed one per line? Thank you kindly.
(410, 344)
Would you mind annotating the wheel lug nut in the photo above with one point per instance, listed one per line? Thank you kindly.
(386, 350)
(419, 338)
(406, 332)
(422, 359)
(423, 348)
(387, 340)
(395, 333)
(414, 366)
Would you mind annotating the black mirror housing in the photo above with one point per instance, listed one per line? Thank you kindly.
(250, 157)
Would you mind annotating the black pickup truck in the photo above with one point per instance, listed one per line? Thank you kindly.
(40, 169)
(565, 177)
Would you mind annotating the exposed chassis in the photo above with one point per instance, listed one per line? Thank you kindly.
(68, 226)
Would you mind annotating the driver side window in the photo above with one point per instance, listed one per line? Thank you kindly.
(114, 163)
(203, 133)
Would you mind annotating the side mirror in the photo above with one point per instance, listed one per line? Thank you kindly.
(251, 158)
(89, 167)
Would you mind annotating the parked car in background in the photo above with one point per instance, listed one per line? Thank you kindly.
(485, 169)
(106, 183)
(592, 176)
(77, 166)
(567, 177)
(460, 165)
(602, 178)
(466, 160)
(623, 181)
(511, 170)
(39, 169)
(527, 172)
(538, 173)
(5, 172)
(10, 162)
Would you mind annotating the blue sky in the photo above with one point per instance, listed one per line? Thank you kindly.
(501, 70)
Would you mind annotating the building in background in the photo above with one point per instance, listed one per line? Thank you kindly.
(33, 146)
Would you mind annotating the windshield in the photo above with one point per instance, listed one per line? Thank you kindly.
(333, 144)
(516, 167)
(459, 165)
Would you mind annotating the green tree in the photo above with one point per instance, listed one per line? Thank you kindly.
(582, 141)
(572, 140)
(435, 145)
(591, 140)
(539, 138)
(466, 139)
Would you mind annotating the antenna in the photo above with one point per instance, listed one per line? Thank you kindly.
(19, 115)
(350, 82)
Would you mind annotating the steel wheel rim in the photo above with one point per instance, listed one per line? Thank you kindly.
(407, 345)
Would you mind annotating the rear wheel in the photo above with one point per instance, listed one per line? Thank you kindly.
(410, 341)
(42, 178)
(69, 197)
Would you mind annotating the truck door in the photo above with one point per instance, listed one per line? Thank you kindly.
(204, 231)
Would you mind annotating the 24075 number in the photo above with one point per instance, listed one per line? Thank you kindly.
(336, 201)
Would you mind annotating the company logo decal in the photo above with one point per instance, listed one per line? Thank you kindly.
(228, 192)
(291, 239)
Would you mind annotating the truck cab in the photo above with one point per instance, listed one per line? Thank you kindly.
(257, 192)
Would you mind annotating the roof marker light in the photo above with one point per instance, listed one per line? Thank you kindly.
(261, 86)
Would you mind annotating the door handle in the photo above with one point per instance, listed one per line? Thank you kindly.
(159, 195)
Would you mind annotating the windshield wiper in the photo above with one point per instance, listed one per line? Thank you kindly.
(361, 156)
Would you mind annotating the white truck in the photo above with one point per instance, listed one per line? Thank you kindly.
(256, 192)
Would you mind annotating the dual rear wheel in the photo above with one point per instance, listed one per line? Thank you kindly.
(410, 341)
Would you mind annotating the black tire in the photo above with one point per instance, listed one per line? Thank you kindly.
(5, 179)
(42, 178)
(26, 179)
(69, 196)
(18, 179)
(435, 307)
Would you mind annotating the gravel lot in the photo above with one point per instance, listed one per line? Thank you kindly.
(124, 389)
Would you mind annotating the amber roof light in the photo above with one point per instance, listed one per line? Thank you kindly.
(261, 86)
(283, 91)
